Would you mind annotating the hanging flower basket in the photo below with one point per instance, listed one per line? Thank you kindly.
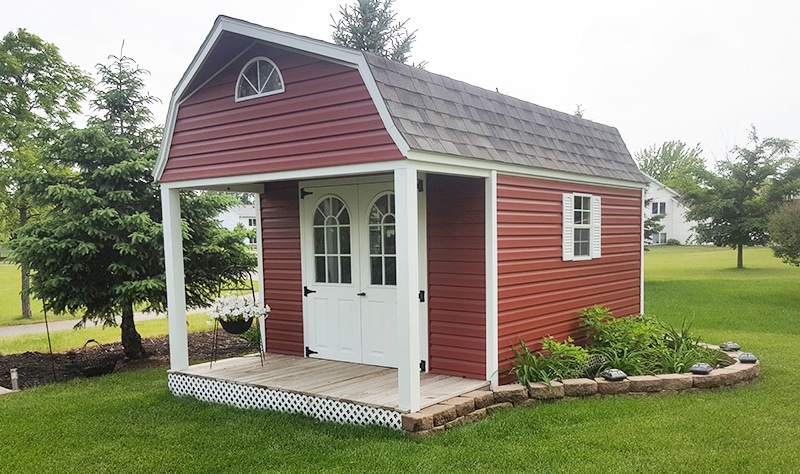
(236, 327)
(236, 313)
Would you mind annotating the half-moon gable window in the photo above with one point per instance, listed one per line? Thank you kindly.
(259, 77)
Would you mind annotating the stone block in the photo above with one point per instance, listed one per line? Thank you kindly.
(463, 405)
(497, 407)
(528, 402)
(441, 413)
(645, 383)
(541, 391)
(604, 387)
(579, 387)
(675, 382)
(514, 393)
(415, 422)
(476, 415)
(483, 398)
(461, 420)
(711, 380)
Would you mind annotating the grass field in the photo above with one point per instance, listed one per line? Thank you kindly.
(72, 339)
(130, 423)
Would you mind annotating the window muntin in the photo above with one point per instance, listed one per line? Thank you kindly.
(382, 243)
(332, 258)
(582, 220)
(581, 227)
(258, 78)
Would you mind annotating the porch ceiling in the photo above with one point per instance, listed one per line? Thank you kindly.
(353, 383)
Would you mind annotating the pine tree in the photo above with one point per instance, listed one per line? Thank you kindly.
(100, 249)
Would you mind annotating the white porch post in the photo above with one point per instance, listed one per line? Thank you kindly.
(492, 357)
(405, 188)
(173, 262)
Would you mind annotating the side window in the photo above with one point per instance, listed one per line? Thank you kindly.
(659, 208)
(258, 78)
(581, 227)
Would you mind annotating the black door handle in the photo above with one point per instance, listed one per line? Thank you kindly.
(307, 291)
(361, 294)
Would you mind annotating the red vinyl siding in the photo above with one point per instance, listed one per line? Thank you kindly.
(456, 276)
(282, 279)
(540, 295)
(325, 117)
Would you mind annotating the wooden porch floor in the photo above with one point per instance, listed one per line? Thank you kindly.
(346, 382)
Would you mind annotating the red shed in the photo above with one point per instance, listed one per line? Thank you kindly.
(408, 220)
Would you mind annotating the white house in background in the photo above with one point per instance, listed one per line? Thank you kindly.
(663, 200)
(244, 214)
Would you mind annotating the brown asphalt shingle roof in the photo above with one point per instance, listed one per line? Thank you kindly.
(437, 114)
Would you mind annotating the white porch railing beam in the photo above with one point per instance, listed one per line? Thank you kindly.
(176, 296)
(407, 214)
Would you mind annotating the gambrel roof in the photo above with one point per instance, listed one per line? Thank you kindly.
(432, 113)
(438, 114)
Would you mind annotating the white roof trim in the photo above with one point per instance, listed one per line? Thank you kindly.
(345, 56)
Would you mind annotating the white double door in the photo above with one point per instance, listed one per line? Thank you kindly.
(350, 273)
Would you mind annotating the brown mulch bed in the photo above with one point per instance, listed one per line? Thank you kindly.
(37, 368)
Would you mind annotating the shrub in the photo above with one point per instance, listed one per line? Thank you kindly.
(632, 333)
(673, 242)
(556, 361)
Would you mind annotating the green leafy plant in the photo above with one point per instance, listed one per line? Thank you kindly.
(556, 360)
(604, 331)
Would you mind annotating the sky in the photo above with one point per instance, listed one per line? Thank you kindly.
(697, 71)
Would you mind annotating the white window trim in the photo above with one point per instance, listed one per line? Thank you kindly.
(568, 227)
(263, 94)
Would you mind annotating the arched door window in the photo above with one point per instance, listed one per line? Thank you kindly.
(382, 246)
(332, 258)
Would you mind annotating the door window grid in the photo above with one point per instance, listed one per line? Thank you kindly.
(332, 259)
(382, 243)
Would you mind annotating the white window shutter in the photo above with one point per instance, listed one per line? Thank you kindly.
(596, 224)
(567, 244)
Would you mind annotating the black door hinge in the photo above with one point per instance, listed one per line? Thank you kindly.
(309, 351)
(304, 193)
(420, 186)
(307, 291)
(421, 296)
(422, 365)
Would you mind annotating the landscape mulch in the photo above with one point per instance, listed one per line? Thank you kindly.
(38, 368)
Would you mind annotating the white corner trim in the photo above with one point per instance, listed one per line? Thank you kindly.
(492, 343)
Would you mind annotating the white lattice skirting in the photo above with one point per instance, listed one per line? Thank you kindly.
(249, 396)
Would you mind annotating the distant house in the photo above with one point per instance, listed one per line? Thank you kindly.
(244, 214)
(407, 221)
(667, 202)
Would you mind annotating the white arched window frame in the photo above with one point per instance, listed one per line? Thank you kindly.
(260, 77)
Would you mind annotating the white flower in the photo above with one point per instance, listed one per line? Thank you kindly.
(236, 308)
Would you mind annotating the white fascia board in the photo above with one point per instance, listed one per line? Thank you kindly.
(428, 161)
(383, 111)
(239, 183)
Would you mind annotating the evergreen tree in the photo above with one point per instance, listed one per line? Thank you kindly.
(369, 25)
(100, 248)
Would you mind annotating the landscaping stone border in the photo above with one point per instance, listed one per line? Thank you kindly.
(477, 405)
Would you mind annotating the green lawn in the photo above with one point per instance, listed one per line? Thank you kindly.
(72, 339)
(130, 423)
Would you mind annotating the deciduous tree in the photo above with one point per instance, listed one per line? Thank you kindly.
(784, 233)
(673, 163)
(733, 205)
(39, 91)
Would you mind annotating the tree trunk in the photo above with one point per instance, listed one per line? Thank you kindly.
(25, 294)
(739, 263)
(131, 340)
